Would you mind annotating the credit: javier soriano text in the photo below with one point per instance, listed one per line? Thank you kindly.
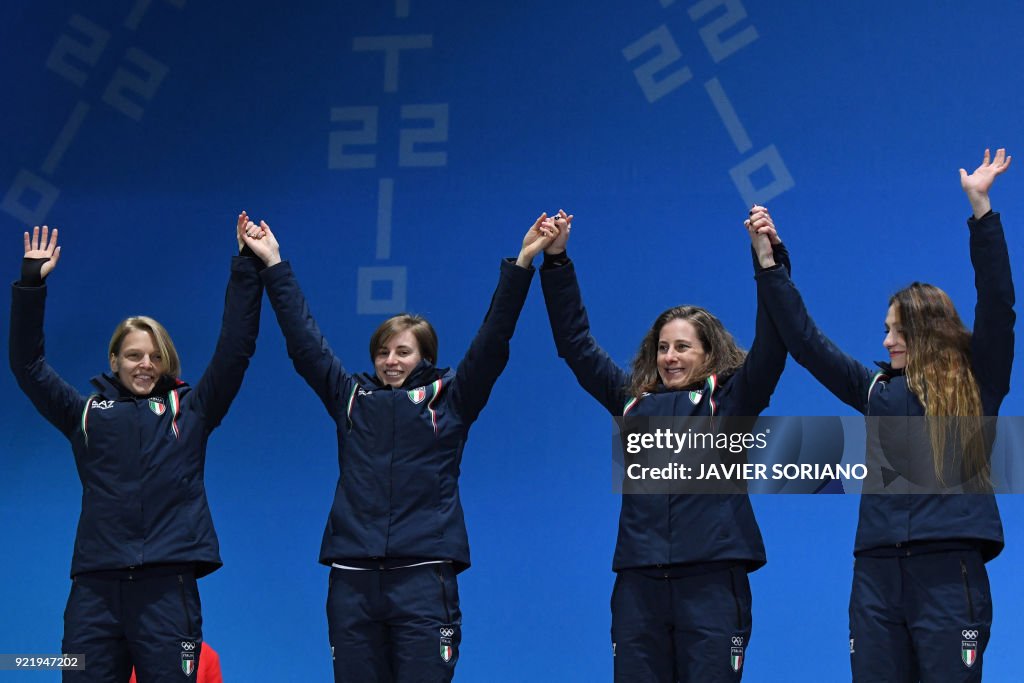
(790, 454)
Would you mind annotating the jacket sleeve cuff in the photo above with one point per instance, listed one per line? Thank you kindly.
(275, 273)
(248, 253)
(973, 222)
(775, 273)
(509, 263)
(781, 255)
(245, 264)
(32, 272)
(555, 260)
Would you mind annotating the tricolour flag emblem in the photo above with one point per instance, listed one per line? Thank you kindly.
(696, 396)
(969, 652)
(157, 406)
(446, 643)
(416, 396)
(736, 658)
(188, 663)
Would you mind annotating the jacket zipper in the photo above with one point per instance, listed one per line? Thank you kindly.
(444, 595)
(184, 604)
(967, 592)
(736, 600)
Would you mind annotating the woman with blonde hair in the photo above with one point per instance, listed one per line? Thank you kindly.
(145, 533)
(920, 607)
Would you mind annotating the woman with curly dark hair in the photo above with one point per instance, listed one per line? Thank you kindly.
(681, 606)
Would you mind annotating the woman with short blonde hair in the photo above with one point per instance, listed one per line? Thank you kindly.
(145, 534)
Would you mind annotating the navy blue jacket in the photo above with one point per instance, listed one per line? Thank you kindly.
(399, 450)
(141, 459)
(671, 529)
(891, 519)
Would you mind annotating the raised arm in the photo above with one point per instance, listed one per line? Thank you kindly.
(311, 355)
(237, 341)
(976, 185)
(54, 398)
(848, 379)
(594, 369)
(488, 353)
(993, 339)
(759, 375)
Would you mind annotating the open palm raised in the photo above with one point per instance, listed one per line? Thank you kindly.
(43, 245)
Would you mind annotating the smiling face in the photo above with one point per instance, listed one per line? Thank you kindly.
(396, 358)
(894, 342)
(681, 355)
(138, 364)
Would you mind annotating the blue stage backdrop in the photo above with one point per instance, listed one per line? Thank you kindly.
(399, 149)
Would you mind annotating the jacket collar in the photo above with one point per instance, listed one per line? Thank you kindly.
(424, 373)
(660, 388)
(110, 387)
(888, 370)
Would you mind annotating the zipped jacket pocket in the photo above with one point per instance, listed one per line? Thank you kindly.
(967, 592)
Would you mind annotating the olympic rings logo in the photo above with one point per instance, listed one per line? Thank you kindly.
(969, 634)
(187, 646)
(738, 640)
(447, 632)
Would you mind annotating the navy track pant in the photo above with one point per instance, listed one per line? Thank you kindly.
(394, 625)
(921, 618)
(691, 628)
(147, 618)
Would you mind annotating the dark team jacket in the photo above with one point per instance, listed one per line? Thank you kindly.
(888, 522)
(657, 530)
(141, 459)
(399, 450)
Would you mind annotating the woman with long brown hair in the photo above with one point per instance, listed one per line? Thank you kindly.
(681, 606)
(920, 607)
(938, 368)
